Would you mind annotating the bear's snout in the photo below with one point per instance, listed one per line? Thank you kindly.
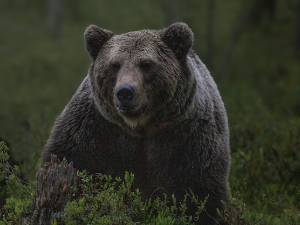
(125, 93)
(130, 101)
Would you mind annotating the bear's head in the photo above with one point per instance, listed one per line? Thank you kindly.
(139, 78)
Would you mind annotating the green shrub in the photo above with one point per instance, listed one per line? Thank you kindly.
(105, 200)
(18, 204)
(100, 199)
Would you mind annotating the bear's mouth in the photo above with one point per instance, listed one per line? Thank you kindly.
(134, 115)
(129, 111)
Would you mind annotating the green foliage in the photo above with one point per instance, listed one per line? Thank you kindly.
(265, 138)
(101, 200)
(105, 200)
(19, 204)
(16, 210)
(237, 213)
(4, 165)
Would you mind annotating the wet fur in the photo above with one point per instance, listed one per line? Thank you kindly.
(180, 139)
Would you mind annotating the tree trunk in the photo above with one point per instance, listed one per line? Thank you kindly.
(298, 32)
(234, 39)
(55, 18)
(170, 8)
(55, 181)
(210, 33)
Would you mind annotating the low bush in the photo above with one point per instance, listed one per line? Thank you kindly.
(101, 199)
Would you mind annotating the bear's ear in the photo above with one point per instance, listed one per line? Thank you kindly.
(95, 37)
(178, 37)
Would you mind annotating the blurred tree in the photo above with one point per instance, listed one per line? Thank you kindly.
(170, 8)
(55, 10)
(244, 19)
(298, 33)
(261, 8)
(210, 33)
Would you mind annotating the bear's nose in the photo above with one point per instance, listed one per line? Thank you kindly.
(125, 93)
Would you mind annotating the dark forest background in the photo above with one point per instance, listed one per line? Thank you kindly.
(252, 49)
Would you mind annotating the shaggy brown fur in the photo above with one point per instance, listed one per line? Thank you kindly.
(173, 134)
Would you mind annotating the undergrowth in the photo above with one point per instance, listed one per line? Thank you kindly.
(106, 200)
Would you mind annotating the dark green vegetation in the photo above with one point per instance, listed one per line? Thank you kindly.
(250, 48)
(100, 199)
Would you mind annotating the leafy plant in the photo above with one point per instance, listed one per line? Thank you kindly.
(18, 204)
(105, 200)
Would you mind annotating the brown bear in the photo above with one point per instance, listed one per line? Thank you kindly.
(148, 106)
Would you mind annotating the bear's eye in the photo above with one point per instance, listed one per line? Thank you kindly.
(116, 67)
(145, 66)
